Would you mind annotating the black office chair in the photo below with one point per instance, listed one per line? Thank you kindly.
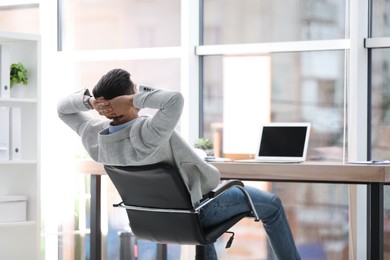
(159, 206)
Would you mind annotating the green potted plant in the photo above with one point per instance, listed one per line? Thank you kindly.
(206, 145)
(18, 74)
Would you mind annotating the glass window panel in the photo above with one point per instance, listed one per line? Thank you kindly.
(89, 25)
(319, 218)
(67, 220)
(24, 19)
(250, 21)
(241, 92)
(380, 18)
(318, 215)
(380, 109)
(69, 213)
(157, 73)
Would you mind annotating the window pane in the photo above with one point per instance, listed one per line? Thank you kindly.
(319, 218)
(318, 215)
(69, 212)
(250, 21)
(241, 92)
(155, 73)
(380, 18)
(380, 110)
(24, 19)
(120, 24)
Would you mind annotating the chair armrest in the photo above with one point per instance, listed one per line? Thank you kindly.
(224, 185)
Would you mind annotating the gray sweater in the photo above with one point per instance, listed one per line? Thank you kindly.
(149, 140)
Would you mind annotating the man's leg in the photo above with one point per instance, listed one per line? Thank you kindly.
(269, 209)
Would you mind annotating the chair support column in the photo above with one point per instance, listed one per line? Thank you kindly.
(162, 252)
(200, 253)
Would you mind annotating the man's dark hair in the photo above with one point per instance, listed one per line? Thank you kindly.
(115, 83)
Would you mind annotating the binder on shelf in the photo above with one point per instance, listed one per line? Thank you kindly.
(5, 87)
(15, 133)
(4, 133)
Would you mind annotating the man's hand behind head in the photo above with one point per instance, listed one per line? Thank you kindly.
(120, 107)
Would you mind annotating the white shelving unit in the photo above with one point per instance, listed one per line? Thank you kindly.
(21, 240)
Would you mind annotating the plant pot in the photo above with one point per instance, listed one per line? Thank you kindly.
(18, 90)
(209, 152)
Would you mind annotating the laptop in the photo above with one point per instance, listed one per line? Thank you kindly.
(283, 142)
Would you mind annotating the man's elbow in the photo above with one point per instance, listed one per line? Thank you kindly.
(179, 99)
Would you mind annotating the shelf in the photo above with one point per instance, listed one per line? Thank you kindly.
(18, 37)
(18, 224)
(18, 162)
(17, 101)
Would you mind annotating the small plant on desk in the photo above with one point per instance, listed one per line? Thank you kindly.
(206, 145)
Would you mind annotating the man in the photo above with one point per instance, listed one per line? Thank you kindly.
(129, 139)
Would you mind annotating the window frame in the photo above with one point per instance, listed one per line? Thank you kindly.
(358, 98)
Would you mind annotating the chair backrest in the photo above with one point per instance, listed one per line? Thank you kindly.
(157, 186)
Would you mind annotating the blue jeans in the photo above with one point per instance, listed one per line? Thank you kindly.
(270, 211)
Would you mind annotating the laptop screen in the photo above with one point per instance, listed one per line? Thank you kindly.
(283, 142)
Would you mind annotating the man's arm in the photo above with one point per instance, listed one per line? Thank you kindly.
(71, 110)
(170, 106)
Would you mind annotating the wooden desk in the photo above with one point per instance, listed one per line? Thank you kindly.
(374, 176)
(305, 172)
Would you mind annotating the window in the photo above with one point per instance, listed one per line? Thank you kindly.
(297, 60)
(380, 18)
(249, 21)
(95, 37)
(241, 92)
(72, 229)
(380, 95)
(120, 24)
(19, 18)
(251, 76)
